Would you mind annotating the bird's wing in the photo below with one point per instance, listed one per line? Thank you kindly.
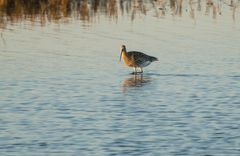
(139, 57)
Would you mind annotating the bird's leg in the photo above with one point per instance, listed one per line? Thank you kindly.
(135, 70)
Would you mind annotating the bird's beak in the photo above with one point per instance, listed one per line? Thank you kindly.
(120, 56)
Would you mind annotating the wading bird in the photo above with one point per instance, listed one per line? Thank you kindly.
(136, 59)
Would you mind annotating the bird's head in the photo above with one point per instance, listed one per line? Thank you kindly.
(122, 49)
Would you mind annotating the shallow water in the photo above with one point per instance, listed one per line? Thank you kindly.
(63, 90)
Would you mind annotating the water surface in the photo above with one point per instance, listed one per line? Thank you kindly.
(63, 90)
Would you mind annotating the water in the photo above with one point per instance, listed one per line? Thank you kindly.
(63, 90)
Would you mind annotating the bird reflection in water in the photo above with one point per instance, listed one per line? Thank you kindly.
(134, 81)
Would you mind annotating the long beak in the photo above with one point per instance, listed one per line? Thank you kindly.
(120, 56)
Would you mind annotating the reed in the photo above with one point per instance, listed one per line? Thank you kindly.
(87, 10)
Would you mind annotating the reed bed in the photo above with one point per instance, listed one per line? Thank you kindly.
(43, 11)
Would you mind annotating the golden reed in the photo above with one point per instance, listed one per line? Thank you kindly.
(44, 11)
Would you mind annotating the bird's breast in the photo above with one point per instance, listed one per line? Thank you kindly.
(128, 60)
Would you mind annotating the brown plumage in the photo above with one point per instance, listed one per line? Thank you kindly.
(136, 59)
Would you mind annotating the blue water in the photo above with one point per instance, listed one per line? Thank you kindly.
(63, 90)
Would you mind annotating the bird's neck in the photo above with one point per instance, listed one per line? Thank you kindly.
(124, 52)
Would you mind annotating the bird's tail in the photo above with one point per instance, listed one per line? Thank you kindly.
(153, 59)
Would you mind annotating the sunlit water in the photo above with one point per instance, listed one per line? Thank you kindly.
(63, 90)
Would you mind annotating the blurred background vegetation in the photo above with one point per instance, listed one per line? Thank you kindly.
(44, 11)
